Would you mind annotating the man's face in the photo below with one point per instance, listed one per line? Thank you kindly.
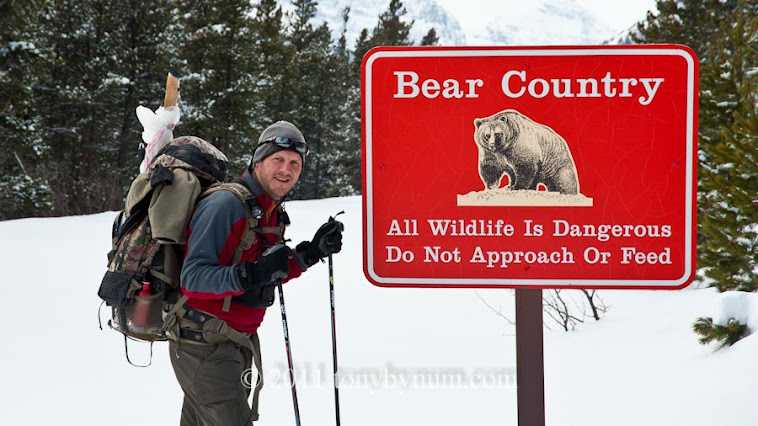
(279, 172)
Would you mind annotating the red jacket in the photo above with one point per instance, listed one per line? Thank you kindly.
(215, 230)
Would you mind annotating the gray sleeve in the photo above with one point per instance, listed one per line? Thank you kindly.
(216, 221)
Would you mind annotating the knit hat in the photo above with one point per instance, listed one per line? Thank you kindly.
(280, 128)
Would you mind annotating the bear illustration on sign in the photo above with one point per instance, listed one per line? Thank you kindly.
(530, 154)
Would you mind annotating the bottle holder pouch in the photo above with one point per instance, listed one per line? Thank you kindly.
(117, 289)
(142, 319)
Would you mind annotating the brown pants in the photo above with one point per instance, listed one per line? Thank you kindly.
(214, 387)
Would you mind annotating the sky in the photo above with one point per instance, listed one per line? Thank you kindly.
(560, 21)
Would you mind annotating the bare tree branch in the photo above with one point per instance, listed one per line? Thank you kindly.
(565, 308)
(498, 311)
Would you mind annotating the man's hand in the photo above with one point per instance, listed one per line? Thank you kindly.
(326, 241)
(273, 265)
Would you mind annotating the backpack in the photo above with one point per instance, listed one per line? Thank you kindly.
(148, 237)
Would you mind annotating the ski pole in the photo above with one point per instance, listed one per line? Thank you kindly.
(334, 342)
(289, 352)
(334, 333)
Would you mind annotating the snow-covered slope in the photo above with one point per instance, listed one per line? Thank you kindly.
(408, 356)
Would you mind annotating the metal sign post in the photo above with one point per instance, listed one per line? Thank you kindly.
(530, 365)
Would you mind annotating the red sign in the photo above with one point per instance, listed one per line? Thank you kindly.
(544, 167)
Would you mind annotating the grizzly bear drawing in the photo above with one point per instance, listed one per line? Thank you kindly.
(529, 153)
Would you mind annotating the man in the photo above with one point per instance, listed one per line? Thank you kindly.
(225, 299)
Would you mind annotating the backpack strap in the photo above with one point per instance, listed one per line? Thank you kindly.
(247, 199)
(249, 237)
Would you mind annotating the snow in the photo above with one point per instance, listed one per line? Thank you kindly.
(23, 45)
(740, 306)
(408, 356)
(116, 81)
(496, 22)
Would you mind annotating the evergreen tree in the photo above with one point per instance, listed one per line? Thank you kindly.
(77, 109)
(724, 34)
(22, 191)
(695, 23)
(430, 39)
(271, 65)
(391, 30)
(344, 155)
(714, 333)
(144, 38)
(314, 85)
(729, 218)
(218, 90)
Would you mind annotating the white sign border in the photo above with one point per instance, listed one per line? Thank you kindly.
(545, 283)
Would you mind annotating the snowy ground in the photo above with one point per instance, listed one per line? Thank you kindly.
(521, 197)
(410, 357)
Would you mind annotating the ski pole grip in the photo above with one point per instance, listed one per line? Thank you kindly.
(333, 218)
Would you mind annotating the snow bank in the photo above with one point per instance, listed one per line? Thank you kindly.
(738, 305)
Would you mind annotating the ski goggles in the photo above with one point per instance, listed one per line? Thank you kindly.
(287, 143)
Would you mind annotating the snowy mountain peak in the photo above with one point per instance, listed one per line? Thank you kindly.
(425, 14)
(502, 22)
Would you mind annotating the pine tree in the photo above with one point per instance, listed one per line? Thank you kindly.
(729, 218)
(218, 89)
(271, 65)
(430, 39)
(22, 191)
(344, 154)
(103, 61)
(725, 37)
(391, 30)
(75, 107)
(315, 86)
(695, 23)
(714, 333)
(144, 38)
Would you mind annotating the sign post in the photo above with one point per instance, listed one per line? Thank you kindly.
(530, 168)
(530, 365)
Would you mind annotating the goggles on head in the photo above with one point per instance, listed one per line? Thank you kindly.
(285, 142)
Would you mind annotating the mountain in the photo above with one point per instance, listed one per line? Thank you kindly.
(426, 14)
(504, 22)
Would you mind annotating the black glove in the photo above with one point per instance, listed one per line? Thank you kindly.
(273, 265)
(328, 240)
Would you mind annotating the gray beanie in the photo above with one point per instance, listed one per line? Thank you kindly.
(280, 128)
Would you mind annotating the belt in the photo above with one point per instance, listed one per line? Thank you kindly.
(194, 325)
(195, 336)
(198, 317)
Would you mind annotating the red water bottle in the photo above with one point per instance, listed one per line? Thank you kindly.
(142, 306)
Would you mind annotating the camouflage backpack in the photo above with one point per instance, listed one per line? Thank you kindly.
(149, 236)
